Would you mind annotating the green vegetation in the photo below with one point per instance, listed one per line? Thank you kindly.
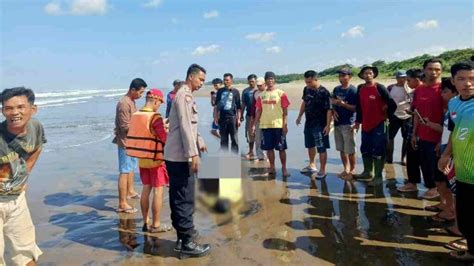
(388, 69)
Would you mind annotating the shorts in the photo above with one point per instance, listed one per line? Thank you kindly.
(314, 137)
(272, 138)
(127, 164)
(344, 139)
(248, 130)
(155, 177)
(16, 225)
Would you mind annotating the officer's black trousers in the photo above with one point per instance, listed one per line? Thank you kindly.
(181, 199)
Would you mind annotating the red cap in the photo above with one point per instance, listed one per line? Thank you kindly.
(154, 93)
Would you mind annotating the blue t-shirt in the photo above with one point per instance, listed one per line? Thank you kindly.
(349, 95)
(247, 98)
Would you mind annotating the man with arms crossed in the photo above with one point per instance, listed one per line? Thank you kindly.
(344, 102)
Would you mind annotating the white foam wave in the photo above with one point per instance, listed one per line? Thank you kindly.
(61, 104)
(57, 94)
(113, 95)
(62, 100)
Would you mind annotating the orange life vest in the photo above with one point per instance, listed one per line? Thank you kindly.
(141, 143)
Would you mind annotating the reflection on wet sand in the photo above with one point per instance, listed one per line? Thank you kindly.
(297, 220)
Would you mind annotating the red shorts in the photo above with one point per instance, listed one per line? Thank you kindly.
(155, 177)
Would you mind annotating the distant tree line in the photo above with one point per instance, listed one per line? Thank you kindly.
(385, 69)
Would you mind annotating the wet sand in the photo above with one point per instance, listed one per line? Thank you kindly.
(298, 220)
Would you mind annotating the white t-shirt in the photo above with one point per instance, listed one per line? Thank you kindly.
(400, 96)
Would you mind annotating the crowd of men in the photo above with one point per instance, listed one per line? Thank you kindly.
(435, 116)
(417, 105)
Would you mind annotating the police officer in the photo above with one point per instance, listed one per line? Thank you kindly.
(182, 162)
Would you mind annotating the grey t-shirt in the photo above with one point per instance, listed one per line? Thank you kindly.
(12, 166)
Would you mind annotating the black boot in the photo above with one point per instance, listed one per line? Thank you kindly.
(193, 249)
(179, 242)
(366, 175)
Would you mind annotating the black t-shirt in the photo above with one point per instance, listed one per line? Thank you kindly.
(317, 103)
(228, 102)
(12, 166)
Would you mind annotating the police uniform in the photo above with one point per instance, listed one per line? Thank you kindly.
(183, 143)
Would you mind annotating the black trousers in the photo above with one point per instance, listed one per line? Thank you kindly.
(464, 199)
(181, 193)
(428, 162)
(413, 165)
(228, 128)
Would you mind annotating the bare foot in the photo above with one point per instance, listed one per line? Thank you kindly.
(285, 173)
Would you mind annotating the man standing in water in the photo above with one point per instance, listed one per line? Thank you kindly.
(21, 143)
(227, 114)
(127, 165)
(374, 105)
(272, 117)
(182, 162)
(247, 103)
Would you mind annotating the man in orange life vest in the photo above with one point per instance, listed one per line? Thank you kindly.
(145, 140)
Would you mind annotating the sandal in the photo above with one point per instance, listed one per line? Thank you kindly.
(136, 196)
(160, 229)
(126, 210)
(458, 244)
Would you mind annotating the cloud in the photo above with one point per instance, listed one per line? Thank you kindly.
(261, 37)
(211, 14)
(152, 3)
(203, 50)
(318, 27)
(89, 7)
(426, 24)
(273, 50)
(354, 32)
(78, 8)
(53, 9)
(174, 20)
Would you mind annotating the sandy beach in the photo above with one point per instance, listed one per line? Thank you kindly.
(298, 220)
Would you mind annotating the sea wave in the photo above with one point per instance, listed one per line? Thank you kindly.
(113, 95)
(61, 104)
(58, 94)
(62, 100)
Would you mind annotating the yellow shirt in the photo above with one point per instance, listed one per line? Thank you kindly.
(272, 103)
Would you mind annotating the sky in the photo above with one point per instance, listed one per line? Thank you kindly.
(102, 44)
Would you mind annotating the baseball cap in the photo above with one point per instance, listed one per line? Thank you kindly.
(345, 71)
(154, 93)
(400, 74)
(269, 74)
(260, 81)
